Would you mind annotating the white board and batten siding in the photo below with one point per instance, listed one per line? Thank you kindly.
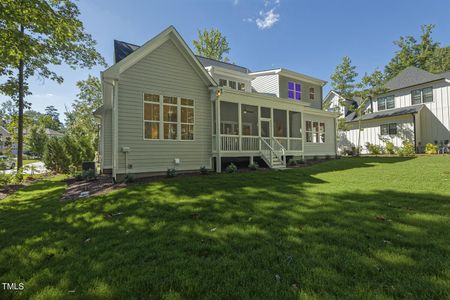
(165, 71)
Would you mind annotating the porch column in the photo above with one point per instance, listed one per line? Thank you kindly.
(219, 140)
(303, 124)
(240, 126)
(288, 131)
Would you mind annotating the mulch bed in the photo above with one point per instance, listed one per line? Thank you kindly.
(101, 185)
(9, 189)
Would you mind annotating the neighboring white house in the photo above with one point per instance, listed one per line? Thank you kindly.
(164, 107)
(416, 108)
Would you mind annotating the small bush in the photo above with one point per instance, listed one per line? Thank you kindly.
(374, 149)
(300, 161)
(231, 168)
(292, 162)
(390, 148)
(5, 179)
(328, 157)
(18, 176)
(129, 178)
(315, 158)
(431, 149)
(253, 166)
(203, 170)
(407, 150)
(78, 176)
(171, 173)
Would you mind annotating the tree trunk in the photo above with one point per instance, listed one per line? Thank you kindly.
(21, 106)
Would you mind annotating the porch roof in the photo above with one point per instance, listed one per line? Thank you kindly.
(386, 113)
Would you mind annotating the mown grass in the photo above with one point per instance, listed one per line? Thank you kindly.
(29, 161)
(365, 228)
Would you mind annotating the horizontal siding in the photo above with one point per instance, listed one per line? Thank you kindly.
(316, 103)
(167, 72)
(267, 84)
(327, 148)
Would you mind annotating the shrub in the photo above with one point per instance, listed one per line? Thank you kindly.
(5, 179)
(203, 170)
(431, 149)
(292, 162)
(407, 150)
(18, 176)
(300, 161)
(55, 156)
(231, 168)
(327, 157)
(129, 178)
(389, 147)
(253, 166)
(171, 172)
(374, 149)
(315, 158)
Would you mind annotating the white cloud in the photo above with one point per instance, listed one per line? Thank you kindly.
(269, 18)
(248, 20)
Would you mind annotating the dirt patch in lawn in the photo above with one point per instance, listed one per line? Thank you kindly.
(83, 189)
(9, 189)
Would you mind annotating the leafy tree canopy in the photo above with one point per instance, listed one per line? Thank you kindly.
(212, 44)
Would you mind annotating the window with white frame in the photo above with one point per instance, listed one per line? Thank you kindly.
(151, 116)
(241, 86)
(232, 84)
(388, 129)
(315, 132)
(422, 95)
(294, 90)
(386, 102)
(222, 82)
(187, 119)
(177, 121)
(312, 93)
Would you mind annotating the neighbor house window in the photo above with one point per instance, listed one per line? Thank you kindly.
(187, 119)
(416, 97)
(232, 84)
(427, 94)
(388, 129)
(241, 86)
(386, 102)
(312, 93)
(151, 116)
(294, 90)
(222, 82)
(170, 113)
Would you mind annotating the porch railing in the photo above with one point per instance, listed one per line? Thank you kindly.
(236, 143)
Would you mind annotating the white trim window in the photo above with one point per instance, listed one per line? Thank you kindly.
(422, 95)
(388, 129)
(232, 84)
(168, 118)
(312, 93)
(222, 82)
(387, 102)
(315, 132)
(151, 116)
(187, 119)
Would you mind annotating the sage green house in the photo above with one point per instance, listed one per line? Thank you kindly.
(164, 107)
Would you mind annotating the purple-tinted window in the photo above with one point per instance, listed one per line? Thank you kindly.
(291, 94)
(290, 85)
(294, 90)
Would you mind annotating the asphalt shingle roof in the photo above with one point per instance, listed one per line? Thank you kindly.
(387, 113)
(412, 76)
(123, 49)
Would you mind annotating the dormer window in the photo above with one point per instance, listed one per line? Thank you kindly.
(241, 86)
(222, 82)
(232, 84)
(294, 90)
(312, 93)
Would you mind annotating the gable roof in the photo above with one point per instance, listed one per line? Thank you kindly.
(206, 62)
(128, 57)
(413, 76)
(386, 113)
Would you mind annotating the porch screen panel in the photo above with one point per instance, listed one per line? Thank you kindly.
(295, 125)
(249, 120)
(229, 118)
(279, 123)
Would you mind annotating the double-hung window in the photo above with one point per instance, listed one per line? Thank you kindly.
(312, 93)
(422, 96)
(151, 116)
(170, 113)
(416, 97)
(294, 90)
(315, 132)
(308, 131)
(222, 82)
(427, 94)
(187, 119)
(322, 132)
(386, 102)
(388, 129)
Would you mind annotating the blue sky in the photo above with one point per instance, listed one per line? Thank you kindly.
(310, 37)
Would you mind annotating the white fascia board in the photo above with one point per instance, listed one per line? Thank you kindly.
(231, 73)
(291, 74)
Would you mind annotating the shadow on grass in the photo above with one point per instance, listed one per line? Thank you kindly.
(254, 235)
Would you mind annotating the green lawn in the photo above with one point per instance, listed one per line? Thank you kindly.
(29, 161)
(366, 228)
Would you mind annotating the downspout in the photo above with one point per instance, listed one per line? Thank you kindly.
(414, 131)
